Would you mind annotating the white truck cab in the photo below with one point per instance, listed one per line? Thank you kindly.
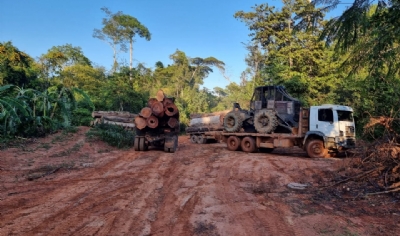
(334, 124)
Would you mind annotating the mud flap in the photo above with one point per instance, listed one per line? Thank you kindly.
(171, 143)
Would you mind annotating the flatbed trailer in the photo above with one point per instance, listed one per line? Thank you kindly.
(313, 140)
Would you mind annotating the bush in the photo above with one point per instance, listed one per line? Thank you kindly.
(113, 135)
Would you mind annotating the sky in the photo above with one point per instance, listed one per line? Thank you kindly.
(201, 28)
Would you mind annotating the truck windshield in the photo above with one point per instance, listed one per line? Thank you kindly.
(345, 115)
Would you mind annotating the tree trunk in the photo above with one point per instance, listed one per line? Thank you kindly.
(131, 57)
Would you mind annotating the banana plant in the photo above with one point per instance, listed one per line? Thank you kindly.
(11, 109)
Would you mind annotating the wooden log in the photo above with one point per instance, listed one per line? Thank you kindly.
(171, 109)
(99, 114)
(160, 95)
(173, 122)
(151, 102)
(140, 122)
(146, 112)
(199, 115)
(125, 125)
(152, 122)
(119, 119)
(208, 121)
(168, 101)
(158, 109)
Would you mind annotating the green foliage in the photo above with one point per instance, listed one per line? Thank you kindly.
(16, 67)
(113, 135)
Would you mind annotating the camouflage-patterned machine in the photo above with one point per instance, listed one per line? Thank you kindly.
(272, 109)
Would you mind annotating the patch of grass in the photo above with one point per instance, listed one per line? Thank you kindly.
(46, 146)
(70, 129)
(67, 152)
(202, 228)
(48, 170)
(114, 135)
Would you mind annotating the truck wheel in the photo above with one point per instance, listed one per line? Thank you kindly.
(265, 121)
(315, 149)
(233, 122)
(248, 144)
(201, 139)
(233, 143)
(136, 144)
(193, 138)
(142, 144)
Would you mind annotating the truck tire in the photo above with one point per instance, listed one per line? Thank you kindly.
(248, 144)
(233, 143)
(265, 121)
(233, 122)
(201, 139)
(142, 144)
(315, 149)
(193, 138)
(136, 144)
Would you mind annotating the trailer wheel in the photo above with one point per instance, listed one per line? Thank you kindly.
(233, 122)
(201, 139)
(142, 144)
(315, 149)
(136, 144)
(193, 138)
(248, 144)
(233, 143)
(265, 121)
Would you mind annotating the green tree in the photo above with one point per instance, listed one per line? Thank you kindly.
(16, 67)
(112, 33)
(294, 56)
(130, 28)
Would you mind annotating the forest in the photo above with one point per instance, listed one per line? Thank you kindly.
(352, 60)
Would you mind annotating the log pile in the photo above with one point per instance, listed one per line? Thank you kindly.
(120, 118)
(160, 112)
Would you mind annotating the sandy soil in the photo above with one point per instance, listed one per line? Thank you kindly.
(68, 185)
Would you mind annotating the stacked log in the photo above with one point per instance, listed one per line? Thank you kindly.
(160, 112)
(120, 118)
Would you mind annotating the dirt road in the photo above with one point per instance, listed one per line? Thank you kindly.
(66, 185)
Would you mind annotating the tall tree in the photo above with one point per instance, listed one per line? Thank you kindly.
(112, 33)
(130, 28)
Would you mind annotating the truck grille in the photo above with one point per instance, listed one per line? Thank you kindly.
(349, 130)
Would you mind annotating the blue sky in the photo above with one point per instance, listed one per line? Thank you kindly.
(199, 28)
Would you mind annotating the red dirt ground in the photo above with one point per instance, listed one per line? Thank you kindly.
(69, 185)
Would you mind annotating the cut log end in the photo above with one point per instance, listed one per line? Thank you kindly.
(160, 95)
(140, 122)
(146, 112)
(158, 109)
(152, 122)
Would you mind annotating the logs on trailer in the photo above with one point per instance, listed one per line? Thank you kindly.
(157, 124)
(161, 112)
(206, 126)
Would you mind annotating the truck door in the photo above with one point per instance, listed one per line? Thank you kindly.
(322, 119)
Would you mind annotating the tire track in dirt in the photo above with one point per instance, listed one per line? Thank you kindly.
(86, 195)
